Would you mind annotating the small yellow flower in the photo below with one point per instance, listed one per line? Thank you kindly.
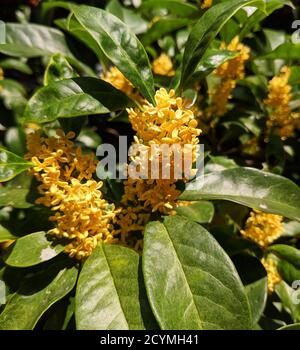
(206, 4)
(263, 228)
(228, 73)
(163, 66)
(272, 273)
(168, 122)
(280, 118)
(67, 187)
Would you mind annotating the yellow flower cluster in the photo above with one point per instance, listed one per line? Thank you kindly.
(206, 4)
(163, 66)
(228, 73)
(169, 122)
(281, 118)
(272, 273)
(67, 187)
(116, 78)
(263, 228)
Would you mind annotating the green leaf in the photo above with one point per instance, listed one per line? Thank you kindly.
(120, 45)
(251, 187)
(290, 327)
(206, 30)
(130, 17)
(286, 51)
(211, 60)
(191, 283)
(13, 95)
(289, 297)
(162, 27)
(57, 69)
(254, 278)
(17, 198)
(175, 7)
(108, 292)
(16, 64)
(31, 250)
(36, 295)
(11, 165)
(33, 40)
(288, 271)
(200, 212)
(288, 253)
(258, 16)
(74, 97)
(5, 235)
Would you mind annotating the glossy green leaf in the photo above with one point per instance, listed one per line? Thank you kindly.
(130, 17)
(206, 30)
(109, 290)
(35, 296)
(74, 97)
(191, 283)
(288, 253)
(251, 187)
(211, 60)
(5, 235)
(72, 26)
(32, 249)
(57, 69)
(200, 212)
(33, 40)
(11, 165)
(291, 229)
(120, 45)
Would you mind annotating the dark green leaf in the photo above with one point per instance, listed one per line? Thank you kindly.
(120, 45)
(200, 212)
(251, 187)
(31, 250)
(196, 286)
(35, 296)
(288, 253)
(205, 31)
(108, 293)
(11, 165)
(74, 97)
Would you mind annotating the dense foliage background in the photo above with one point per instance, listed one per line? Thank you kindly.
(222, 256)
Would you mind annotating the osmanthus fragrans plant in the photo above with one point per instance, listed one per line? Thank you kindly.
(78, 252)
